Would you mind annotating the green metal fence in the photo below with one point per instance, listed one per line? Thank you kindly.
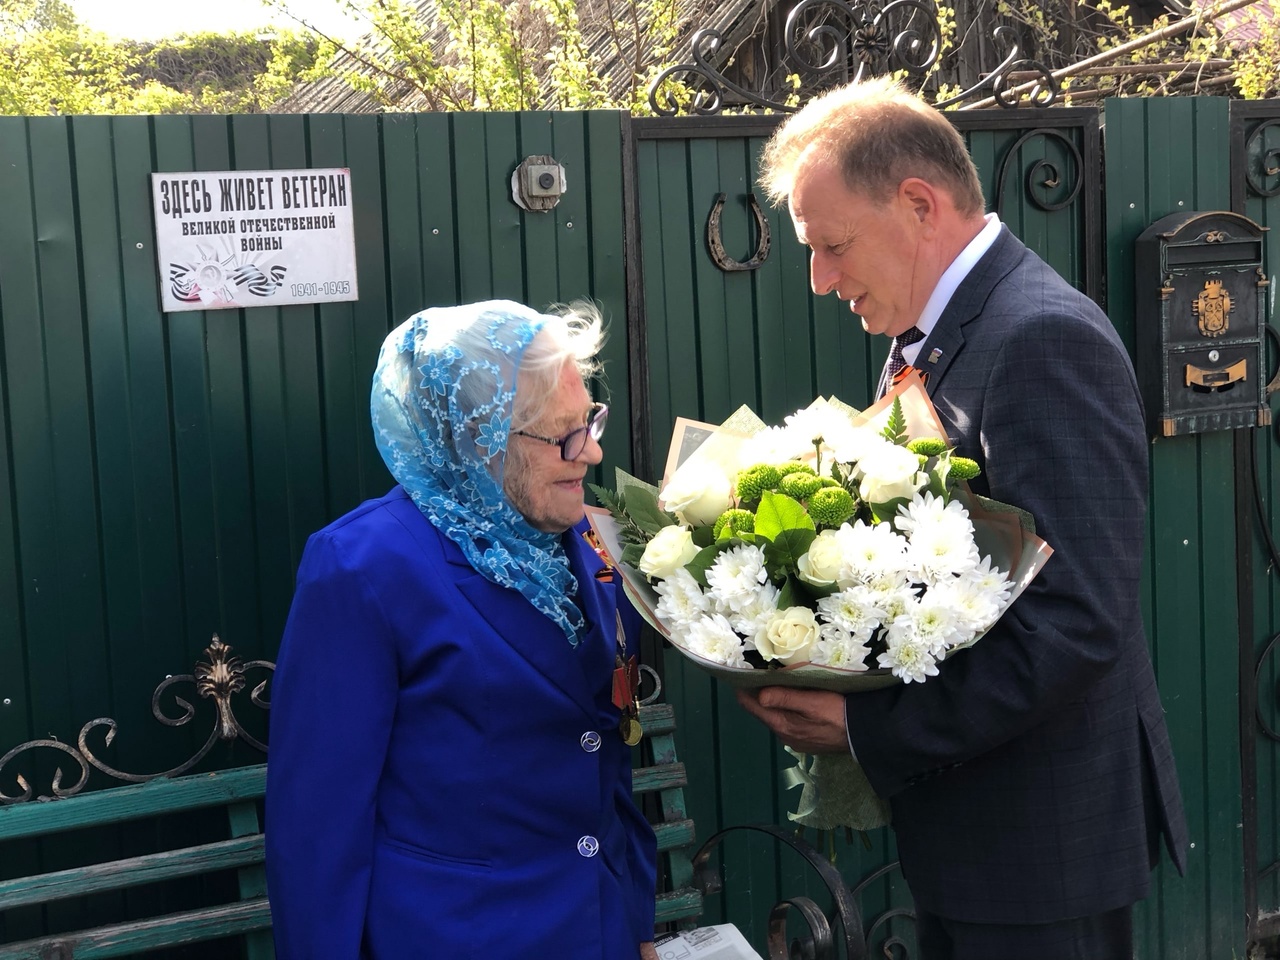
(160, 473)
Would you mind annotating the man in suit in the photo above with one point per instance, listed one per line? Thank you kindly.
(1032, 779)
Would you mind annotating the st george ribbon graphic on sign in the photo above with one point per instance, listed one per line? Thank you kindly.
(254, 238)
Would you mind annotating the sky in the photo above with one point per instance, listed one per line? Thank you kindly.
(154, 19)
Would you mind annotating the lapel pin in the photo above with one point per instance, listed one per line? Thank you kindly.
(935, 355)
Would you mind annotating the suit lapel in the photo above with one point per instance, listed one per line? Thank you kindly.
(945, 342)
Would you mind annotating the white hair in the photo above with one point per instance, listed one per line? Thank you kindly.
(572, 333)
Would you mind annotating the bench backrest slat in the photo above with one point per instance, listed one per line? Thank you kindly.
(120, 804)
(134, 872)
(127, 939)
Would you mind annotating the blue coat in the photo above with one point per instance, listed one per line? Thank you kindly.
(446, 776)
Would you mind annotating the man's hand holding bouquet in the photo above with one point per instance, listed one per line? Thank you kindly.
(841, 550)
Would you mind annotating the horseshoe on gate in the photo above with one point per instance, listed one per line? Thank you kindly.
(716, 243)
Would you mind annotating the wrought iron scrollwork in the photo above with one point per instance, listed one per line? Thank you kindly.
(835, 41)
(1262, 163)
(837, 933)
(820, 943)
(715, 240)
(1043, 176)
(219, 679)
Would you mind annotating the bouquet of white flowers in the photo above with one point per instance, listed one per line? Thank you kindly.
(841, 550)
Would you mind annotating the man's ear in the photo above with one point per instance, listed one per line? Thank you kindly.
(920, 197)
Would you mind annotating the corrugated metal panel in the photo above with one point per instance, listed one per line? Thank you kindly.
(1166, 155)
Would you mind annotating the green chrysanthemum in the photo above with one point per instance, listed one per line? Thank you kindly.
(753, 481)
(738, 521)
(795, 466)
(831, 506)
(799, 486)
(962, 468)
(927, 446)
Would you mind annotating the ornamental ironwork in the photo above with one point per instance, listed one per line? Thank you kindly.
(219, 678)
(830, 42)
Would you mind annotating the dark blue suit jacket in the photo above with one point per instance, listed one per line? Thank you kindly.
(443, 763)
(1031, 779)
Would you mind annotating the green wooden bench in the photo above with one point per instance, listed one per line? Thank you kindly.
(225, 803)
(236, 792)
(232, 798)
(663, 778)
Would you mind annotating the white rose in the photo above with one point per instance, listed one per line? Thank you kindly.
(668, 552)
(790, 636)
(697, 494)
(823, 561)
(888, 473)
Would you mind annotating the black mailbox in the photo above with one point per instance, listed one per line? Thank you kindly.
(1201, 309)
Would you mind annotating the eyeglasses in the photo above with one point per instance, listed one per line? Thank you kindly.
(575, 441)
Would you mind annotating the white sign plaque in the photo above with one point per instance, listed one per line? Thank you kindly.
(254, 238)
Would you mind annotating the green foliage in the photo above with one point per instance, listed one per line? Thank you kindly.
(505, 54)
(895, 431)
(52, 64)
(635, 507)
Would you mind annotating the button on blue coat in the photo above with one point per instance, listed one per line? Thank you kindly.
(432, 788)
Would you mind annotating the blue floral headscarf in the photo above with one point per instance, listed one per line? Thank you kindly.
(442, 398)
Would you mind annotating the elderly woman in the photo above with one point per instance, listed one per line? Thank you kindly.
(448, 777)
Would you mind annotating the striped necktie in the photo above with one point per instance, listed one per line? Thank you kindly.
(896, 360)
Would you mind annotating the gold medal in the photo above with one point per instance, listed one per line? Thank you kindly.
(631, 731)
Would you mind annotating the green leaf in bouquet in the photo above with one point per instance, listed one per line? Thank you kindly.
(702, 536)
(778, 512)
(611, 501)
(700, 564)
(808, 594)
(938, 471)
(895, 431)
(883, 512)
(631, 554)
(642, 507)
(787, 595)
(786, 549)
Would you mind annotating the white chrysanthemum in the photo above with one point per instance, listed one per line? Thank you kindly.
(857, 610)
(991, 580)
(837, 647)
(940, 551)
(736, 576)
(753, 616)
(926, 510)
(932, 620)
(712, 638)
(908, 658)
(681, 599)
(897, 601)
(974, 607)
(873, 551)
